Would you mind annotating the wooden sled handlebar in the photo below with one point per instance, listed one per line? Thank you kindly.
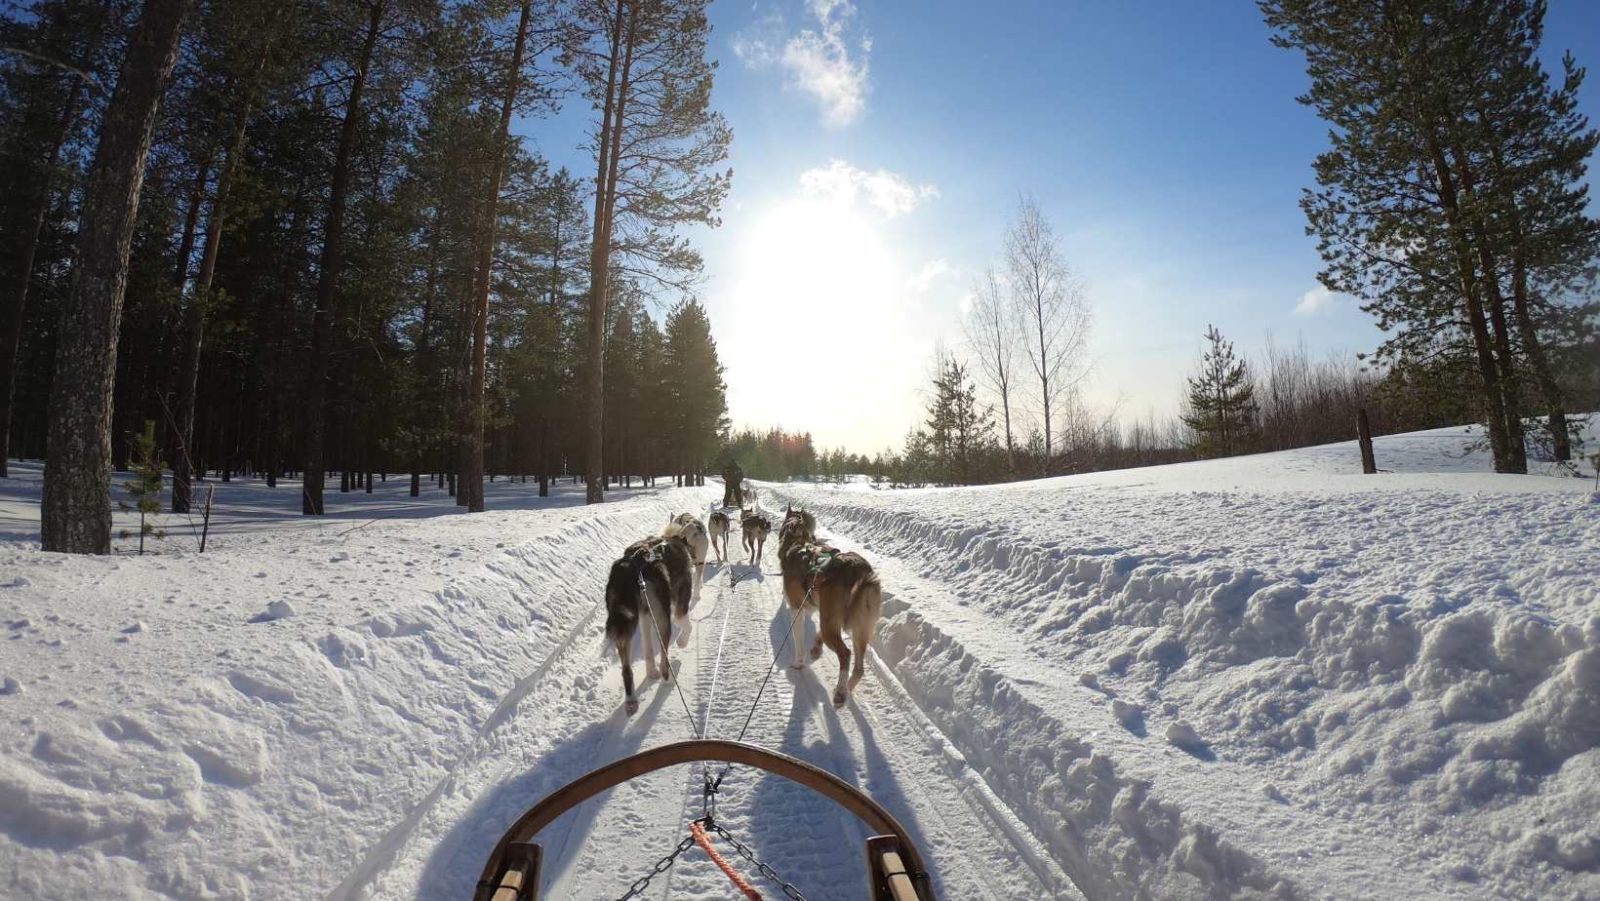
(895, 864)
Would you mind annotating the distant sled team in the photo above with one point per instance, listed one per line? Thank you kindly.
(651, 586)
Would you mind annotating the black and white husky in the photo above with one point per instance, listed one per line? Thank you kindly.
(648, 589)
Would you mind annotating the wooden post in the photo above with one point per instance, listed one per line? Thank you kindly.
(1369, 463)
(205, 517)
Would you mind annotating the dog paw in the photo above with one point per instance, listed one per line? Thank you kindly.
(840, 696)
(683, 638)
(632, 706)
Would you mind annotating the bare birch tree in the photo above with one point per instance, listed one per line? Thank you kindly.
(1053, 310)
(993, 332)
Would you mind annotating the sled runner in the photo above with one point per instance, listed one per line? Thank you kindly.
(895, 868)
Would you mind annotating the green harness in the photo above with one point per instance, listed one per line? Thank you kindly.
(822, 559)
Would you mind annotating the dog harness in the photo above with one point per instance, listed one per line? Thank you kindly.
(822, 558)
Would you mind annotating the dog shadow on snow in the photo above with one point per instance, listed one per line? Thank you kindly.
(453, 867)
(740, 572)
(795, 830)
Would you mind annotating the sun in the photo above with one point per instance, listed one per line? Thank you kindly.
(819, 280)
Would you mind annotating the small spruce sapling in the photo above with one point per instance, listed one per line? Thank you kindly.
(145, 486)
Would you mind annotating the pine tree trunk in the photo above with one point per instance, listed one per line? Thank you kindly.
(605, 201)
(11, 337)
(472, 461)
(194, 314)
(1495, 307)
(1549, 388)
(331, 264)
(75, 514)
(1477, 324)
(1532, 344)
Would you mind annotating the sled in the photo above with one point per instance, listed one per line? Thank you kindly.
(895, 868)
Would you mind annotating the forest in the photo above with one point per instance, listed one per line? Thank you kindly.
(317, 240)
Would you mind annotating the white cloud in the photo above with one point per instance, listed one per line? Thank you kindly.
(931, 271)
(890, 193)
(817, 61)
(1314, 301)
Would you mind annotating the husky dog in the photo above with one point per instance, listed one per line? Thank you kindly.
(848, 597)
(653, 572)
(719, 526)
(798, 526)
(756, 527)
(688, 527)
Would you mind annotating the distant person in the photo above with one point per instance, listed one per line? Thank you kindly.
(732, 481)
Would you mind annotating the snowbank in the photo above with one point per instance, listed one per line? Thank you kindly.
(1217, 679)
(251, 721)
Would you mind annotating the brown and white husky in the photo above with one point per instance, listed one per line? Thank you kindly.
(688, 527)
(718, 526)
(648, 590)
(841, 586)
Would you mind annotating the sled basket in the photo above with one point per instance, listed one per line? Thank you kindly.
(895, 867)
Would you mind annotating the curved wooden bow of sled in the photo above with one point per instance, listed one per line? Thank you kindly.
(893, 880)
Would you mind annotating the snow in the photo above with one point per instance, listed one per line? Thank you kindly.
(1406, 661)
(1260, 677)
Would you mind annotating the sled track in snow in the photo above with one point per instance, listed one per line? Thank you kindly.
(551, 728)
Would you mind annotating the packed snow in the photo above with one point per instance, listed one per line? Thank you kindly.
(1268, 676)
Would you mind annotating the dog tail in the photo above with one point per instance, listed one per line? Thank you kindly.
(621, 616)
(866, 605)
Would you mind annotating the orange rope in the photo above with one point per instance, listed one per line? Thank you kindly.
(704, 841)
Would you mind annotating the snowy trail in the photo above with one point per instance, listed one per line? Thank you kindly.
(567, 719)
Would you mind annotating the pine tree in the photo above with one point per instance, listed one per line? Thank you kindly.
(1448, 146)
(145, 486)
(75, 514)
(656, 145)
(698, 413)
(43, 96)
(959, 429)
(305, 275)
(1221, 406)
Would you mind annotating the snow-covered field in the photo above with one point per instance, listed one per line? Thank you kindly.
(1268, 676)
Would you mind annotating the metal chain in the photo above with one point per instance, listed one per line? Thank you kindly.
(788, 890)
(662, 865)
(788, 635)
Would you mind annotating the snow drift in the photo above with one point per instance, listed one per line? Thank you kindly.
(1265, 676)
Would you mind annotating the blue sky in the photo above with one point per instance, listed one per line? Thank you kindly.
(880, 147)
